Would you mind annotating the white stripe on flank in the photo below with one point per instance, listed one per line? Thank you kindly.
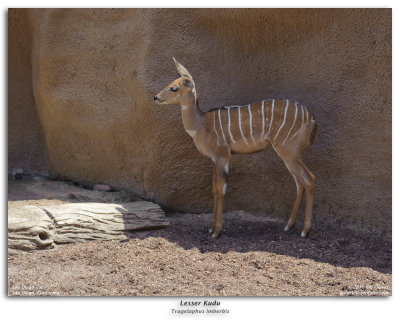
(240, 127)
(266, 120)
(220, 124)
(302, 121)
(294, 122)
(229, 124)
(215, 129)
(263, 120)
(272, 117)
(251, 123)
(284, 120)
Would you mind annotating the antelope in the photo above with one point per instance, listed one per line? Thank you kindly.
(286, 125)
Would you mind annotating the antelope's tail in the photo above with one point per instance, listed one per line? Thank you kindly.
(313, 130)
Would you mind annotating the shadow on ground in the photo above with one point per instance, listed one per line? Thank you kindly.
(243, 232)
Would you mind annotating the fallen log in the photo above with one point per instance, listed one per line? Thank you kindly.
(40, 227)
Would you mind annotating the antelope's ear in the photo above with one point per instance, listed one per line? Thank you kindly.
(187, 78)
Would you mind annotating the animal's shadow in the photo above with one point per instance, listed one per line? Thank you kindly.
(244, 233)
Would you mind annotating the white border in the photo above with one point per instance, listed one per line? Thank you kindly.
(241, 308)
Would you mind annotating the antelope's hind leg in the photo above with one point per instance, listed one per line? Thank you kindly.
(309, 184)
(305, 181)
(296, 205)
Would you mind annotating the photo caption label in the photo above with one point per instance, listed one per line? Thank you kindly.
(197, 306)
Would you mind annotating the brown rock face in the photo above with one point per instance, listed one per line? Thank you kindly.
(95, 73)
(26, 147)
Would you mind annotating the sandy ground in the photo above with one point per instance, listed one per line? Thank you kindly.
(252, 257)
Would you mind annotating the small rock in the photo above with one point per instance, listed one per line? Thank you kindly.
(17, 176)
(19, 171)
(101, 187)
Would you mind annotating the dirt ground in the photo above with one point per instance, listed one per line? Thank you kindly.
(252, 257)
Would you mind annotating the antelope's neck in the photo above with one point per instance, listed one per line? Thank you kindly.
(192, 116)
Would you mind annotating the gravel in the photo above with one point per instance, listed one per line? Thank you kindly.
(252, 257)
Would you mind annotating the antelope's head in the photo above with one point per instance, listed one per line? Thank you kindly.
(178, 91)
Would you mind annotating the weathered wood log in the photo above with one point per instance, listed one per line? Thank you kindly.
(29, 228)
(38, 227)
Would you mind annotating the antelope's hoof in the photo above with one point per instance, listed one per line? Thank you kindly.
(217, 232)
(288, 227)
(304, 234)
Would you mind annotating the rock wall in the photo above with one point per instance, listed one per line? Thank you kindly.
(95, 72)
(26, 147)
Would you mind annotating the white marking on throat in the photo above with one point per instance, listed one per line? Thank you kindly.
(192, 133)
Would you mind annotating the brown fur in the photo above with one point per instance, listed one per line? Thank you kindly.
(286, 125)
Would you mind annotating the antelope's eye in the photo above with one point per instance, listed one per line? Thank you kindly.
(174, 89)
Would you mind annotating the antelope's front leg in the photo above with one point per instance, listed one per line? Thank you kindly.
(212, 229)
(221, 174)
